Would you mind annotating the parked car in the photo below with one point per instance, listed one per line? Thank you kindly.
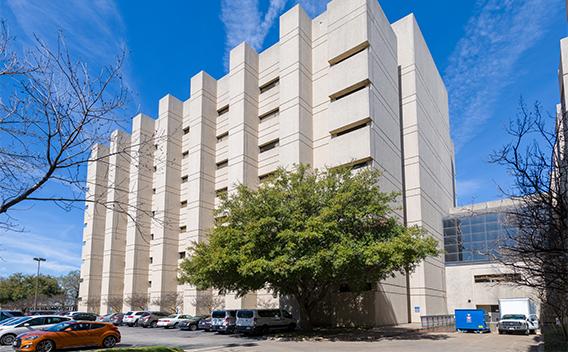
(264, 320)
(193, 322)
(71, 334)
(43, 312)
(9, 332)
(6, 314)
(223, 321)
(204, 324)
(151, 320)
(117, 319)
(172, 321)
(8, 321)
(83, 316)
(133, 318)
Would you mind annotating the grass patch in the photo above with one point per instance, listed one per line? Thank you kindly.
(144, 349)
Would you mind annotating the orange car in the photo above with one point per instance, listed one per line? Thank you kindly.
(69, 334)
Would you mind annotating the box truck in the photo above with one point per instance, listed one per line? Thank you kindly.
(517, 315)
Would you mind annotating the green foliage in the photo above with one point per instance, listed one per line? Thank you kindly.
(21, 287)
(305, 233)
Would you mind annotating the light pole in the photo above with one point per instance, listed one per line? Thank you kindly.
(38, 260)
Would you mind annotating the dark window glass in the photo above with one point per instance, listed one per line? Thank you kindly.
(247, 314)
(97, 326)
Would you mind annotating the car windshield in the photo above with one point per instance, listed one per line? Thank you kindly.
(7, 321)
(514, 316)
(245, 314)
(172, 316)
(58, 327)
(218, 314)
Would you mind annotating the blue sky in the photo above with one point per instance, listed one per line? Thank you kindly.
(489, 52)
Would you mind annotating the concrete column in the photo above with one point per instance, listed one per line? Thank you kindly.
(94, 230)
(295, 114)
(201, 118)
(166, 202)
(243, 133)
(138, 233)
(116, 219)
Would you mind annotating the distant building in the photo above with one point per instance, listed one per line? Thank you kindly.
(472, 236)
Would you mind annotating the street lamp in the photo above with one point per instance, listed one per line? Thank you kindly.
(38, 260)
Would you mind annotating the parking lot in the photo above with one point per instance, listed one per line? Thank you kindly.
(391, 340)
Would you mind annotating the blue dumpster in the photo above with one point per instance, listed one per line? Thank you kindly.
(471, 320)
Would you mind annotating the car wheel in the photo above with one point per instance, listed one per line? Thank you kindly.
(154, 324)
(45, 346)
(7, 339)
(175, 326)
(109, 342)
(193, 327)
(264, 330)
(527, 332)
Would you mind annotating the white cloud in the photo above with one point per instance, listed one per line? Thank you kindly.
(244, 21)
(483, 63)
(468, 188)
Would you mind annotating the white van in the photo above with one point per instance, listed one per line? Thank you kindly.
(517, 315)
(264, 320)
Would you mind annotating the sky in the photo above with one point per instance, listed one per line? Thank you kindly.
(490, 53)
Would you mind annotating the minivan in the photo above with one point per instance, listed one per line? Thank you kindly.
(223, 320)
(264, 320)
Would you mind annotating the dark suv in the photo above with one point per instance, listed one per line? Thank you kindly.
(151, 320)
(83, 316)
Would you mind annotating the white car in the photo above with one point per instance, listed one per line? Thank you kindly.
(173, 320)
(9, 331)
(133, 318)
(262, 321)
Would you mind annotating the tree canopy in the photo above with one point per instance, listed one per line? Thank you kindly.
(305, 233)
(20, 288)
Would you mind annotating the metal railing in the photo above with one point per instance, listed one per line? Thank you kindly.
(434, 321)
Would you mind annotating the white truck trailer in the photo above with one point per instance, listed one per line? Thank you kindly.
(517, 315)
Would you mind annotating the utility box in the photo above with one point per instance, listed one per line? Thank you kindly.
(471, 320)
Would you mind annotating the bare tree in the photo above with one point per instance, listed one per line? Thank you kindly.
(205, 302)
(93, 303)
(538, 250)
(114, 303)
(54, 109)
(137, 301)
(171, 302)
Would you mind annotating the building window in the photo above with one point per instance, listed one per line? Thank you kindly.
(84, 243)
(350, 90)
(181, 255)
(265, 177)
(269, 85)
(151, 260)
(223, 137)
(186, 130)
(155, 146)
(155, 168)
(183, 204)
(85, 225)
(153, 191)
(151, 236)
(361, 164)
(358, 126)
(153, 213)
(223, 110)
(494, 278)
(221, 192)
(183, 228)
(268, 146)
(184, 179)
(185, 154)
(268, 115)
(81, 280)
(222, 164)
(150, 283)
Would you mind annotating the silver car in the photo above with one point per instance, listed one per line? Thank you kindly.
(16, 327)
(264, 320)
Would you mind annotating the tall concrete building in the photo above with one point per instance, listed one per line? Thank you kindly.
(344, 88)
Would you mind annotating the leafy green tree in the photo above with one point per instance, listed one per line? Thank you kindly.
(18, 289)
(305, 233)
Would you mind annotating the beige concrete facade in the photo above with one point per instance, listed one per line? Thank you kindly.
(345, 88)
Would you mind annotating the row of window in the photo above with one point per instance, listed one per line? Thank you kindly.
(181, 255)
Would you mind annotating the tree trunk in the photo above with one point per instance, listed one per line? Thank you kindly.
(305, 314)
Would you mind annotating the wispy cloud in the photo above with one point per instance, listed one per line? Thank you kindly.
(245, 22)
(468, 188)
(483, 63)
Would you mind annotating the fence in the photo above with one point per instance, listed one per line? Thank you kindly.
(434, 321)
